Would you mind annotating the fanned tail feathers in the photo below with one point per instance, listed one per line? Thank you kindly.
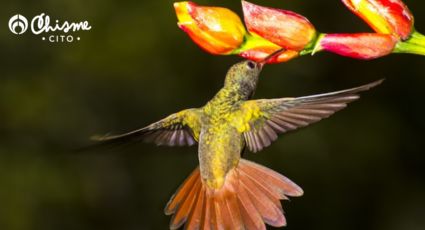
(249, 199)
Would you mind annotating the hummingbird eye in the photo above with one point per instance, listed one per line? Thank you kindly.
(251, 65)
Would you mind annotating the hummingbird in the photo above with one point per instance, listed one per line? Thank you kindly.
(226, 191)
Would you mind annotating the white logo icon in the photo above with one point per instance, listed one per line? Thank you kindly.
(18, 24)
(53, 31)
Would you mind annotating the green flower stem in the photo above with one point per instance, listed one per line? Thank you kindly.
(414, 45)
(314, 46)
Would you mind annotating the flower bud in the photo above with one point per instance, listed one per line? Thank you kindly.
(361, 46)
(284, 28)
(215, 29)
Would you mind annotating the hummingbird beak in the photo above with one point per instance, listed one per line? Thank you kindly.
(269, 57)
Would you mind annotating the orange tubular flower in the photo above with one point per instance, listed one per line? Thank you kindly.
(284, 28)
(215, 29)
(384, 16)
(361, 46)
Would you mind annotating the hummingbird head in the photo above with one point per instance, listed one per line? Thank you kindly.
(245, 74)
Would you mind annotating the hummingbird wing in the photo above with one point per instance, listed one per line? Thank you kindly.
(270, 117)
(178, 129)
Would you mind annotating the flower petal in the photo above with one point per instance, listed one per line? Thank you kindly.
(284, 28)
(217, 30)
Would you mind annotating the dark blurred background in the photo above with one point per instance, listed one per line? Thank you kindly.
(361, 169)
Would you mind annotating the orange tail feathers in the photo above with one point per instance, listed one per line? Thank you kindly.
(249, 199)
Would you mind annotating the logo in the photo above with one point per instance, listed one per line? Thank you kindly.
(18, 24)
(51, 31)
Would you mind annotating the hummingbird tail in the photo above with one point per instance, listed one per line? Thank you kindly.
(249, 199)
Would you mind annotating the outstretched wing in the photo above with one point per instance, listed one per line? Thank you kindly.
(178, 129)
(268, 118)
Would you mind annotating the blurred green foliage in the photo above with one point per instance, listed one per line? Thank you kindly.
(361, 169)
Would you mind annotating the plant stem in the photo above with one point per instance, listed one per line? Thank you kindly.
(414, 45)
(314, 46)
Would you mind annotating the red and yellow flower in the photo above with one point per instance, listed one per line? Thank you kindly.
(390, 19)
(384, 16)
(217, 30)
(220, 31)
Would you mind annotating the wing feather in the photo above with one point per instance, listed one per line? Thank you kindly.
(278, 116)
(178, 129)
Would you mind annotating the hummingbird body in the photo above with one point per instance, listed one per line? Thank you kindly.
(227, 192)
(220, 143)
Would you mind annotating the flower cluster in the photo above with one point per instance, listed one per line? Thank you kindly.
(220, 31)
